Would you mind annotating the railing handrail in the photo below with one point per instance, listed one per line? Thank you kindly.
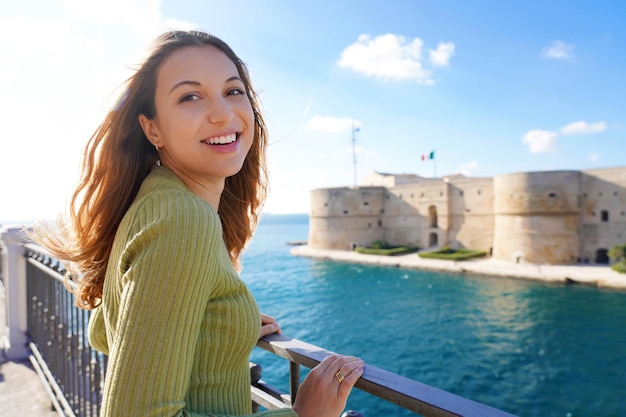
(407, 393)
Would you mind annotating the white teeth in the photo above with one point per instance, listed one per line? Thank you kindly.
(221, 140)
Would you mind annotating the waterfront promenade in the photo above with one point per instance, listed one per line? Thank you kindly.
(593, 275)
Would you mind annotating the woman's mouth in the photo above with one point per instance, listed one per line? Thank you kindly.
(221, 140)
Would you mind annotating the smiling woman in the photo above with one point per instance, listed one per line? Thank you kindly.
(172, 182)
(203, 124)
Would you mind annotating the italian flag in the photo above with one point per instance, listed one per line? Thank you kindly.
(428, 156)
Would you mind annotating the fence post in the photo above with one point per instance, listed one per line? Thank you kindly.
(15, 325)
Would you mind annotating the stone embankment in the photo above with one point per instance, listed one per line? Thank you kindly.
(593, 275)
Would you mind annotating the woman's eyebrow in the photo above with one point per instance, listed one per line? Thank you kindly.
(196, 83)
(185, 82)
(234, 78)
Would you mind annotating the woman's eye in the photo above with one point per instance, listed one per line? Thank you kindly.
(189, 97)
(235, 92)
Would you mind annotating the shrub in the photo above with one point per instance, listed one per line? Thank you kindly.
(385, 251)
(619, 267)
(618, 254)
(452, 254)
(379, 244)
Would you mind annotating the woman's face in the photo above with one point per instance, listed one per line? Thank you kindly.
(204, 123)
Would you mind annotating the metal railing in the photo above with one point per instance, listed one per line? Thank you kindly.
(75, 371)
(58, 329)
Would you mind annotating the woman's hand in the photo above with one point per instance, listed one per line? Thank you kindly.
(324, 392)
(268, 326)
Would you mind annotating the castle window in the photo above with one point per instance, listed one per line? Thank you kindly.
(380, 223)
(461, 193)
(478, 192)
(600, 194)
(584, 195)
(325, 204)
(605, 215)
(411, 195)
(345, 212)
(615, 193)
(552, 195)
(365, 203)
(432, 216)
(441, 194)
(422, 195)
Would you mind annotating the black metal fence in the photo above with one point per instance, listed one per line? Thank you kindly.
(58, 330)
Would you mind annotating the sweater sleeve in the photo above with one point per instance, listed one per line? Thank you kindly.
(164, 290)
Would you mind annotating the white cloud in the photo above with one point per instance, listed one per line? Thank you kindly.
(330, 156)
(582, 128)
(540, 141)
(441, 56)
(54, 93)
(468, 168)
(359, 150)
(142, 17)
(594, 157)
(332, 124)
(387, 57)
(50, 94)
(558, 50)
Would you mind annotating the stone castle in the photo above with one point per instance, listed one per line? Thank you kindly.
(551, 217)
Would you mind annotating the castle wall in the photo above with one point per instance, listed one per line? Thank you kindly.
(341, 218)
(471, 214)
(414, 212)
(402, 221)
(603, 211)
(537, 217)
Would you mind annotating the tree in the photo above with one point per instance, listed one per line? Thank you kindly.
(618, 253)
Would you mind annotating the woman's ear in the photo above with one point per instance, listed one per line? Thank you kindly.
(150, 129)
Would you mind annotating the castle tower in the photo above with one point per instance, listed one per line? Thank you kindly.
(342, 218)
(538, 217)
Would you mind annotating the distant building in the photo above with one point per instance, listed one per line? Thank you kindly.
(552, 217)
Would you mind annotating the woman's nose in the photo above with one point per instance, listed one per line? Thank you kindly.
(220, 111)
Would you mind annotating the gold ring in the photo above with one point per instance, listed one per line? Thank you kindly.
(339, 376)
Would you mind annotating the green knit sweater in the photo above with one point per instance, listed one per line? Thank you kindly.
(176, 320)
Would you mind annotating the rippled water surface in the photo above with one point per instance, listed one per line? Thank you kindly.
(528, 348)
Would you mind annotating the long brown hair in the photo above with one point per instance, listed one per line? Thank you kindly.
(117, 159)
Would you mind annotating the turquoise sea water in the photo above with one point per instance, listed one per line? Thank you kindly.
(531, 349)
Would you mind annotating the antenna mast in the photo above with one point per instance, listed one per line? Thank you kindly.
(354, 130)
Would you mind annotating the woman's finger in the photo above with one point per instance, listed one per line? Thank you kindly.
(268, 326)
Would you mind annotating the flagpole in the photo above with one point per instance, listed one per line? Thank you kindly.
(435, 163)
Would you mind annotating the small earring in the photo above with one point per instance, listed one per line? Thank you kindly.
(157, 147)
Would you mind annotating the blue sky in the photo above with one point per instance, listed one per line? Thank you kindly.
(493, 87)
